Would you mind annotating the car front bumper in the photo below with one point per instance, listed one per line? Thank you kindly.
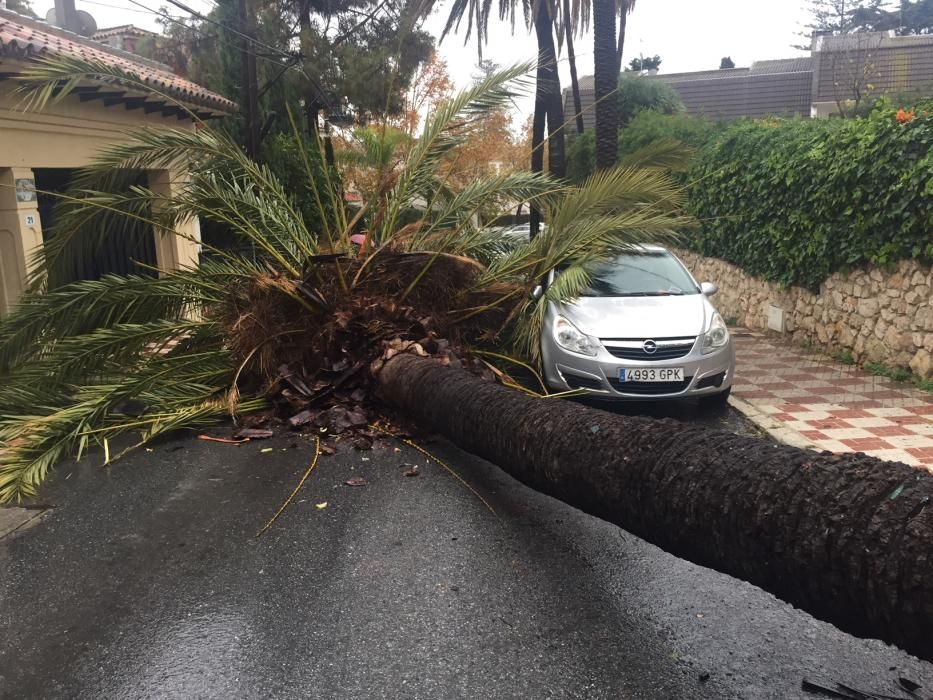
(704, 375)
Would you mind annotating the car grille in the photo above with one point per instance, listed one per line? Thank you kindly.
(677, 347)
(649, 388)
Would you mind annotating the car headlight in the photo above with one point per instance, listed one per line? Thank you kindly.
(569, 338)
(717, 335)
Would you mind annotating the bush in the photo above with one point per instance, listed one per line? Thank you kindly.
(581, 156)
(646, 128)
(649, 126)
(793, 201)
(282, 153)
(638, 93)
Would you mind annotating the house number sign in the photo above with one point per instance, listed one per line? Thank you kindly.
(25, 189)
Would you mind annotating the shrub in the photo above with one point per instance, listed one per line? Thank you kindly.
(638, 93)
(283, 155)
(793, 201)
(581, 156)
(649, 126)
(645, 129)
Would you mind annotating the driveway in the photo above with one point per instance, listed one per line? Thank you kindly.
(147, 580)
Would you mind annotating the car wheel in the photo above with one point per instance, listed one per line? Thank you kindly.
(719, 400)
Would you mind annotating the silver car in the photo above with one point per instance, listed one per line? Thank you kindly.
(643, 330)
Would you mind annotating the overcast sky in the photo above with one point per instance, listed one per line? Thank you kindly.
(687, 34)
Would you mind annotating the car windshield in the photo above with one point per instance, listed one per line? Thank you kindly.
(641, 274)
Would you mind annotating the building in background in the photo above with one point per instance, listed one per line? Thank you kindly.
(126, 37)
(841, 74)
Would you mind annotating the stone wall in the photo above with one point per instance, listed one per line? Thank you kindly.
(876, 315)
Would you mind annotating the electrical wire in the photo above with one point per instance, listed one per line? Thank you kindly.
(292, 57)
(115, 7)
(205, 18)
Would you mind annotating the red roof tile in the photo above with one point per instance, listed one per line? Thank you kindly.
(23, 37)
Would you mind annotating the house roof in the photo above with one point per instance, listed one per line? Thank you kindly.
(121, 30)
(800, 64)
(860, 41)
(26, 38)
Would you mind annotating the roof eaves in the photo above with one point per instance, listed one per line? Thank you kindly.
(16, 47)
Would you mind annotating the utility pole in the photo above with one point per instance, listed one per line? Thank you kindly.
(66, 16)
(249, 82)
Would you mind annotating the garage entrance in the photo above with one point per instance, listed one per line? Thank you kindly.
(126, 246)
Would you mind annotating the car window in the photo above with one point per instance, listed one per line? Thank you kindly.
(647, 273)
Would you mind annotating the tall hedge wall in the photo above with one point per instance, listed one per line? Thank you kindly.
(793, 201)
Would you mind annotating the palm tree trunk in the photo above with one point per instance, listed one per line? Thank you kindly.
(548, 90)
(537, 149)
(623, 21)
(572, 59)
(606, 79)
(848, 538)
(312, 107)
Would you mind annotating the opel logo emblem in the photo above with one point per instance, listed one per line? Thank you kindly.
(650, 347)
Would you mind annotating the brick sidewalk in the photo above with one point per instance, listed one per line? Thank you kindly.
(807, 399)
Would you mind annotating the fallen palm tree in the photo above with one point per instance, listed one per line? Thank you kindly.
(849, 538)
(296, 318)
(287, 316)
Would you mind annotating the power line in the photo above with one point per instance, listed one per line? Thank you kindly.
(205, 18)
(292, 57)
(178, 21)
(115, 7)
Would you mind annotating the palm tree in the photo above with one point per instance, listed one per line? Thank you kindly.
(87, 361)
(605, 78)
(549, 111)
(576, 17)
(625, 9)
(568, 26)
(83, 363)
(548, 97)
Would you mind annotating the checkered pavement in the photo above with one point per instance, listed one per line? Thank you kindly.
(806, 398)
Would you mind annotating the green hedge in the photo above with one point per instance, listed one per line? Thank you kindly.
(648, 127)
(793, 201)
(645, 128)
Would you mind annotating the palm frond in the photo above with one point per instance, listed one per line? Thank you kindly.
(610, 213)
(444, 130)
(664, 154)
(30, 445)
(485, 244)
(50, 79)
(90, 357)
(492, 193)
(80, 307)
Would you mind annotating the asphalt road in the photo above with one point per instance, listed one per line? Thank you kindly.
(147, 580)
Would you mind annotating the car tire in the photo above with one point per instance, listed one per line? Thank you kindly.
(719, 400)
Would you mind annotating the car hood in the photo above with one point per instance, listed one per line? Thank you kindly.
(640, 317)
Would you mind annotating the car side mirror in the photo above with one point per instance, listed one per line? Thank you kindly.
(709, 288)
(537, 292)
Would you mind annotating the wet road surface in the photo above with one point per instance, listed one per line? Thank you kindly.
(147, 580)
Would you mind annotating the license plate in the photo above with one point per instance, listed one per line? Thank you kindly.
(651, 374)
